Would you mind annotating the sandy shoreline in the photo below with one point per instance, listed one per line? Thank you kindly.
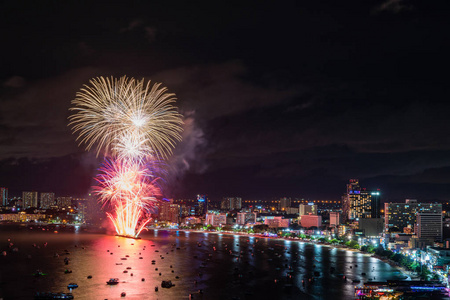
(404, 271)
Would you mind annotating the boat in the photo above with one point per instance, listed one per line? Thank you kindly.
(119, 264)
(72, 285)
(38, 273)
(167, 284)
(48, 296)
(89, 277)
(113, 281)
(67, 271)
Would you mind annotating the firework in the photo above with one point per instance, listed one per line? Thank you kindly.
(131, 189)
(111, 109)
(135, 125)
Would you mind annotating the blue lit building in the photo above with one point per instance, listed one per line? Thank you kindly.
(201, 207)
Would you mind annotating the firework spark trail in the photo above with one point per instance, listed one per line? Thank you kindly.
(134, 124)
(112, 109)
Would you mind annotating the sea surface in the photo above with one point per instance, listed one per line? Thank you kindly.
(208, 266)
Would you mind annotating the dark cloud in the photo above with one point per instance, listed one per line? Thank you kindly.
(34, 118)
(289, 99)
(132, 26)
(393, 6)
(150, 33)
(215, 90)
(14, 82)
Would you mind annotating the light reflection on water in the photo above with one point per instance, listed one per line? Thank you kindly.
(220, 274)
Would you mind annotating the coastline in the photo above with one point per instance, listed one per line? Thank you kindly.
(409, 274)
(403, 270)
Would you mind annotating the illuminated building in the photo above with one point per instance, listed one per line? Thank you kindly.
(21, 217)
(358, 203)
(310, 208)
(402, 215)
(47, 200)
(275, 222)
(335, 218)
(192, 220)
(308, 221)
(429, 226)
(284, 204)
(185, 210)
(202, 205)
(63, 202)
(29, 199)
(231, 203)
(375, 204)
(4, 196)
(169, 212)
(216, 219)
(245, 218)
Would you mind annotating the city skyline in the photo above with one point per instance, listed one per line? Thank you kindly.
(279, 99)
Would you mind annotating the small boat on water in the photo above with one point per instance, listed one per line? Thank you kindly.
(72, 285)
(67, 271)
(49, 296)
(113, 281)
(38, 273)
(167, 284)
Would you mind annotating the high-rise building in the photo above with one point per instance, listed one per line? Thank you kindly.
(169, 212)
(402, 215)
(202, 205)
(63, 202)
(231, 203)
(429, 225)
(47, 200)
(357, 202)
(4, 196)
(245, 218)
(216, 219)
(307, 209)
(309, 221)
(29, 199)
(375, 204)
(284, 203)
(335, 218)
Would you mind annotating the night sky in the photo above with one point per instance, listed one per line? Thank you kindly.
(282, 98)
